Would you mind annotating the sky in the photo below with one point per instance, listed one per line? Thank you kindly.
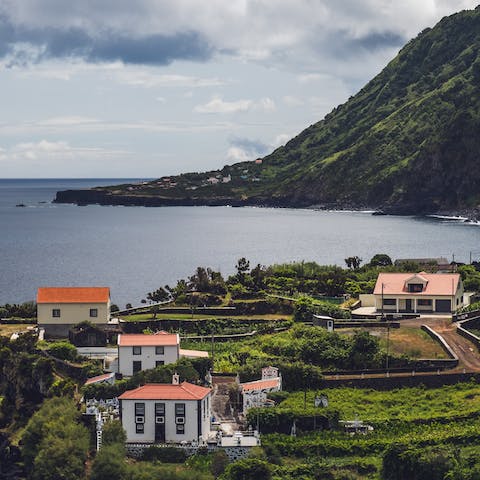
(145, 88)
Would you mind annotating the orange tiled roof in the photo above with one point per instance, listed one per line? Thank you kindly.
(73, 295)
(166, 391)
(261, 384)
(437, 283)
(142, 339)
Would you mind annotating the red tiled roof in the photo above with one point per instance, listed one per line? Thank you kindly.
(99, 378)
(141, 339)
(261, 384)
(73, 295)
(166, 391)
(193, 353)
(437, 283)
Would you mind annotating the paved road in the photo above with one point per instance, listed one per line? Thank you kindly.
(220, 407)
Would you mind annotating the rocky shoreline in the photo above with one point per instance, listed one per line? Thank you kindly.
(104, 197)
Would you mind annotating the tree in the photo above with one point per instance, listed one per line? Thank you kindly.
(242, 267)
(114, 308)
(109, 463)
(113, 433)
(128, 306)
(353, 262)
(62, 458)
(303, 310)
(158, 295)
(380, 260)
(249, 469)
(219, 463)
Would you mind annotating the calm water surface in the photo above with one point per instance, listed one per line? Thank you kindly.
(134, 250)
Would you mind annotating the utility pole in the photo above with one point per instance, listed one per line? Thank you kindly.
(213, 350)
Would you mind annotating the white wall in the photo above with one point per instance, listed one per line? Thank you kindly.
(72, 313)
(148, 357)
(191, 419)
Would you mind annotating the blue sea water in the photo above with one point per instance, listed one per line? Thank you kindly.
(134, 250)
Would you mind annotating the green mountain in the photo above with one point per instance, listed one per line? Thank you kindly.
(408, 142)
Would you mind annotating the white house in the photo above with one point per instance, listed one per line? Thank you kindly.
(139, 351)
(166, 413)
(418, 292)
(60, 308)
(255, 393)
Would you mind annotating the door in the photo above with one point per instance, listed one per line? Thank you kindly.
(137, 366)
(408, 305)
(159, 432)
(443, 306)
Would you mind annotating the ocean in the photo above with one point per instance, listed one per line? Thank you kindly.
(134, 250)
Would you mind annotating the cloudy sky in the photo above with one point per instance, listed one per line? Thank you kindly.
(144, 88)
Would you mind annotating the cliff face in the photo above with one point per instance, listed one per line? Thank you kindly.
(408, 142)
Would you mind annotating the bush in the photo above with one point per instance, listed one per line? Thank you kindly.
(164, 454)
(63, 351)
(249, 469)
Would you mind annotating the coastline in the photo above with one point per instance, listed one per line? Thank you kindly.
(104, 197)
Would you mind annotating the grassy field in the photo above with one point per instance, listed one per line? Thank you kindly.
(405, 404)
(410, 341)
(7, 330)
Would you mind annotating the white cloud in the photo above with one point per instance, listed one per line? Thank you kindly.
(238, 154)
(218, 105)
(58, 151)
(150, 78)
(292, 101)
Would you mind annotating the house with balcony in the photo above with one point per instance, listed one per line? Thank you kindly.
(61, 308)
(418, 292)
(139, 351)
(166, 413)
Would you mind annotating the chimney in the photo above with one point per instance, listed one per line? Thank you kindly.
(176, 379)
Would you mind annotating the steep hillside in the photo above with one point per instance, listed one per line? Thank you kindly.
(408, 142)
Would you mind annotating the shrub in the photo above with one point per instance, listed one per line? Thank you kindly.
(63, 351)
(164, 454)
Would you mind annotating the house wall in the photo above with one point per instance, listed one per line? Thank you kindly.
(148, 357)
(70, 315)
(191, 420)
(458, 302)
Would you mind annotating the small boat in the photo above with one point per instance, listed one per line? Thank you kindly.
(20, 205)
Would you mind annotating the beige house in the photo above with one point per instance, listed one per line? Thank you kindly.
(139, 351)
(418, 292)
(166, 413)
(60, 308)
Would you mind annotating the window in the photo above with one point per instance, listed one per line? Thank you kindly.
(159, 363)
(56, 312)
(137, 366)
(137, 350)
(93, 312)
(424, 302)
(159, 409)
(415, 287)
(139, 428)
(179, 409)
(180, 429)
(139, 409)
(389, 301)
(159, 350)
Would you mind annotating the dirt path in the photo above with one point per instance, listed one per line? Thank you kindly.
(220, 406)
